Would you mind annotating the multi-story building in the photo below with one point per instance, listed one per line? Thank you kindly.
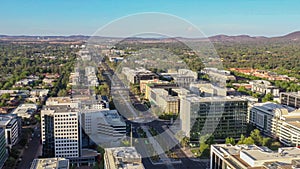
(150, 86)
(122, 158)
(264, 87)
(135, 75)
(25, 110)
(53, 163)
(278, 121)
(220, 116)
(164, 100)
(62, 101)
(253, 157)
(3, 149)
(143, 83)
(60, 131)
(207, 89)
(103, 125)
(291, 99)
(217, 75)
(12, 129)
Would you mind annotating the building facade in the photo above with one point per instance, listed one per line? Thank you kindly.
(264, 87)
(3, 149)
(291, 99)
(278, 121)
(12, 129)
(60, 131)
(218, 115)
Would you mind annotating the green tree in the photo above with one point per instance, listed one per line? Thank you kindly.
(267, 97)
(256, 136)
(230, 140)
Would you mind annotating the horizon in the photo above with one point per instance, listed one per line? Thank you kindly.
(64, 18)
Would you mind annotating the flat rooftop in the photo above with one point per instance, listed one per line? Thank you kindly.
(123, 158)
(50, 163)
(296, 94)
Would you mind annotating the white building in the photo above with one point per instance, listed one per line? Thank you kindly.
(60, 131)
(277, 120)
(103, 125)
(253, 157)
(264, 87)
(47, 163)
(122, 158)
(25, 110)
(62, 101)
(12, 126)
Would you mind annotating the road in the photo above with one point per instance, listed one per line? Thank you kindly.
(148, 119)
(32, 151)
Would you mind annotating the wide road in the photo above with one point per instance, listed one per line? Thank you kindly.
(32, 151)
(160, 126)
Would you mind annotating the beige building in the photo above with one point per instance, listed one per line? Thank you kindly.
(224, 156)
(122, 158)
(50, 163)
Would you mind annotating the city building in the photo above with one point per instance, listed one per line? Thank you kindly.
(221, 116)
(3, 149)
(135, 75)
(122, 158)
(291, 99)
(264, 87)
(50, 163)
(207, 89)
(253, 157)
(144, 83)
(12, 129)
(277, 121)
(60, 132)
(216, 75)
(150, 86)
(25, 110)
(164, 100)
(184, 77)
(62, 101)
(103, 124)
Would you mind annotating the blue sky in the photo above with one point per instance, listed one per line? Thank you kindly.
(68, 17)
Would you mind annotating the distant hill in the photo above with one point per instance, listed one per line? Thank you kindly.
(294, 36)
(291, 36)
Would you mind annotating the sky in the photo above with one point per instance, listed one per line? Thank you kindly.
(212, 17)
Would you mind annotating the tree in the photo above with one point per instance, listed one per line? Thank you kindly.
(267, 97)
(256, 136)
(266, 141)
(248, 141)
(230, 140)
(184, 142)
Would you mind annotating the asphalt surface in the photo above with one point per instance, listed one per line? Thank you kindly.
(31, 152)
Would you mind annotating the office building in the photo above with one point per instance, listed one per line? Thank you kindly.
(253, 157)
(12, 129)
(103, 124)
(50, 163)
(60, 131)
(122, 158)
(291, 99)
(3, 149)
(25, 110)
(264, 87)
(278, 121)
(221, 116)
(135, 75)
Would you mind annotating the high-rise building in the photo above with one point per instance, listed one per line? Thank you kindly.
(60, 132)
(3, 149)
(291, 99)
(12, 128)
(253, 157)
(220, 116)
(122, 158)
